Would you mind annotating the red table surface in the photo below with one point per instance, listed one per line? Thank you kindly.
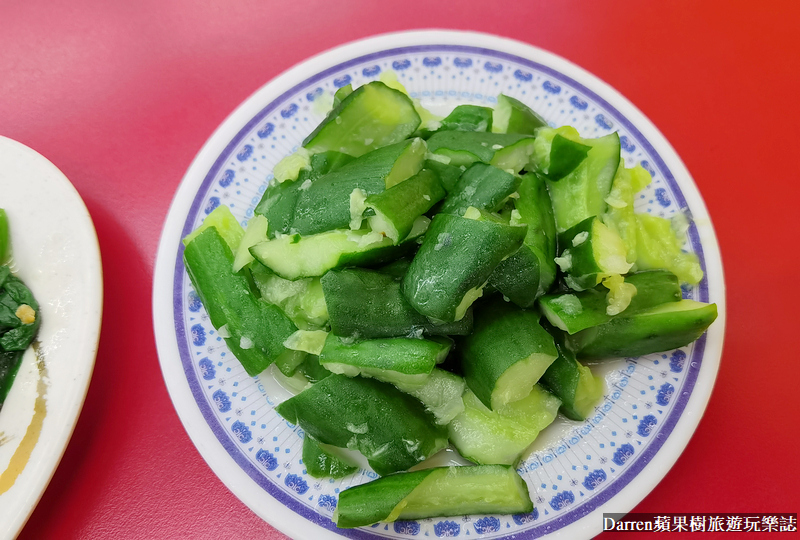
(121, 96)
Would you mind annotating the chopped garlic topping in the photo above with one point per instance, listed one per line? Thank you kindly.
(26, 314)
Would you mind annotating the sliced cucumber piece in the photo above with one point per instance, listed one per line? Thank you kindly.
(590, 251)
(482, 186)
(658, 246)
(325, 461)
(390, 428)
(302, 300)
(226, 225)
(502, 436)
(467, 147)
(659, 329)
(506, 354)
(454, 262)
(580, 194)
(441, 491)
(371, 116)
(441, 395)
(513, 116)
(576, 311)
(293, 257)
(405, 362)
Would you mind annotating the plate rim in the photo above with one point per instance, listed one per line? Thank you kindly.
(56, 437)
(685, 426)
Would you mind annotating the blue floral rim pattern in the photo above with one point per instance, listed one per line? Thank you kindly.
(589, 504)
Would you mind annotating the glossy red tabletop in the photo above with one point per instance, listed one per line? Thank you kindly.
(122, 95)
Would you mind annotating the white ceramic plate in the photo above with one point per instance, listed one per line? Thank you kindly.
(577, 470)
(55, 253)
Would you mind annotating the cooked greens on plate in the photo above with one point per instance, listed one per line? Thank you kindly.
(19, 315)
(423, 282)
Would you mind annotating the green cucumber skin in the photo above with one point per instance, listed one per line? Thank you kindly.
(468, 118)
(229, 301)
(522, 119)
(435, 492)
(407, 356)
(390, 428)
(312, 370)
(646, 332)
(565, 156)
(280, 198)
(457, 255)
(482, 186)
(581, 194)
(518, 277)
(584, 267)
(374, 501)
(503, 335)
(325, 203)
(653, 287)
(448, 174)
(563, 376)
(343, 136)
(405, 202)
(322, 464)
(530, 272)
(477, 144)
(369, 304)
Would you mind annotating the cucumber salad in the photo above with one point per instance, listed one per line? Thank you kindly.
(19, 315)
(423, 282)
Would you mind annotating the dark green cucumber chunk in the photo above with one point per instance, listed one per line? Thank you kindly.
(396, 209)
(659, 329)
(467, 147)
(506, 354)
(280, 198)
(576, 386)
(454, 262)
(531, 271)
(513, 116)
(501, 437)
(255, 330)
(482, 186)
(406, 362)
(390, 428)
(581, 193)
(324, 461)
(576, 311)
(565, 156)
(368, 304)
(448, 174)
(441, 491)
(371, 116)
(468, 118)
(590, 251)
(324, 203)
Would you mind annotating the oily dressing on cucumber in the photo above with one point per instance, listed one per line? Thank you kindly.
(421, 282)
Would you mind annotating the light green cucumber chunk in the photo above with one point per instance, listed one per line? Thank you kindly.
(256, 232)
(441, 394)
(501, 436)
(659, 246)
(620, 216)
(227, 227)
(302, 300)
